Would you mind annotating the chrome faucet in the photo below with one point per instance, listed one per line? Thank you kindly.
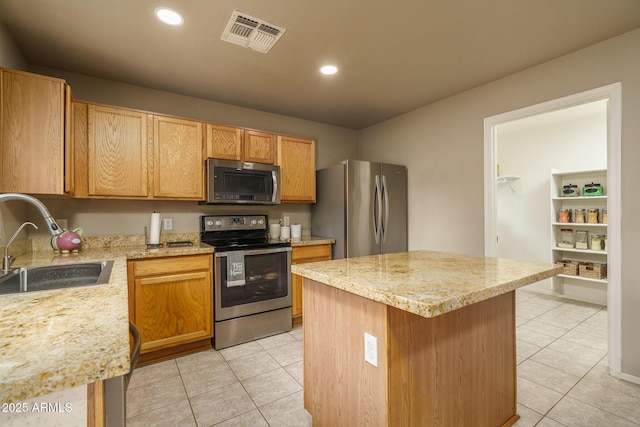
(53, 227)
(6, 259)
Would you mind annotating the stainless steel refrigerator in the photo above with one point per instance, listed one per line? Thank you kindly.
(363, 206)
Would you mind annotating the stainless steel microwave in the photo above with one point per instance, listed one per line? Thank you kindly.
(233, 182)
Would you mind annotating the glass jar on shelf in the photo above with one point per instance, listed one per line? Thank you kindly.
(567, 238)
(592, 216)
(580, 216)
(604, 217)
(596, 242)
(582, 239)
(564, 215)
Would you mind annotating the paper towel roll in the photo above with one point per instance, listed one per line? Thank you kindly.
(154, 232)
(285, 232)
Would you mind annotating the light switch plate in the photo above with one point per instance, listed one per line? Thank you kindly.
(286, 221)
(371, 349)
(168, 223)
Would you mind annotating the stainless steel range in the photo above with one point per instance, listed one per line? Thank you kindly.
(252, 278)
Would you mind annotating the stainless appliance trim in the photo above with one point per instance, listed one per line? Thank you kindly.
(256, 251)
(242, 329)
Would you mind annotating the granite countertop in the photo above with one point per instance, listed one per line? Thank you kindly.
(58, 339)
(426, 283)
(312, 241)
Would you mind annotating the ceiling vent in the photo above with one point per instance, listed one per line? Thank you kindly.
(254, 33)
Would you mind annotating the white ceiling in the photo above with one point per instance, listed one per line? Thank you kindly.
(394, 56)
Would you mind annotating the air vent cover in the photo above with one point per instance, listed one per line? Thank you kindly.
(254, 33)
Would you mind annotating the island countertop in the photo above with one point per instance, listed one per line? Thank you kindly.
(426, 283)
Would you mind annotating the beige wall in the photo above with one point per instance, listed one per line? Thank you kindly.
(442, 145)
(10, 56)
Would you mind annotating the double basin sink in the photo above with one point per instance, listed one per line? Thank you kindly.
(47, 277)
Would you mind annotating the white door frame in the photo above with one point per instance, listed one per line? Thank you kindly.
(613, 93)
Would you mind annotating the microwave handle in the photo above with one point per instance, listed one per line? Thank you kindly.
(275, 186)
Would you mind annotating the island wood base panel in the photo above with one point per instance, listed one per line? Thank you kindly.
(457, 369)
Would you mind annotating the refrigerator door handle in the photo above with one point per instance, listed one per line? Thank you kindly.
(376, 210)
(385, 221)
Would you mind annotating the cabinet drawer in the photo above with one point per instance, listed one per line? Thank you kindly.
(309, 252)
(171, 265)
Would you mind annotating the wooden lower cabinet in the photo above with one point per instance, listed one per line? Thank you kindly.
(300, 255)
(171, 303)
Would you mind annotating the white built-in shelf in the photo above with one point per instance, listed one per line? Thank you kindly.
(578, 287)
(586, 279)
(579, 224)
(584, 251)
(509, 179)
(580, 198)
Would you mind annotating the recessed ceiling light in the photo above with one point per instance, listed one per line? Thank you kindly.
(329, 70)
(169, 16)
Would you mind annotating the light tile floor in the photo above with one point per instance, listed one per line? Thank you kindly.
(562, 377)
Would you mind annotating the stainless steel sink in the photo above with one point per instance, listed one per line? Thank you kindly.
(47, 277)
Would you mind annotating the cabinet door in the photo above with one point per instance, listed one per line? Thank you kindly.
(173, 309)
(296, 296)
(117, 152)
(177, 163)
(300, 255)
(297, 160)
(259, 147)
(32, 151)
(224, 142)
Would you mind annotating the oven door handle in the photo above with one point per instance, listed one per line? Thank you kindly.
(256, 251)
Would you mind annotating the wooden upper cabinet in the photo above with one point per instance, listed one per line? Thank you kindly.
(259, 147)
(232, 143)
(32, 134)
(117, 152)
(297, 160)
(177, 165)
(224, 142)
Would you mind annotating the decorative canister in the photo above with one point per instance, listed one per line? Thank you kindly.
(564, 215)
(593, 189)
(580, 215)
(592, 216)
(570, 190)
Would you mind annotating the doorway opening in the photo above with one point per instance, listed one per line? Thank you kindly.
(608, 99)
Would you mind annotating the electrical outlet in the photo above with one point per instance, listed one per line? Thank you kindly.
(371, 349)
(168, 223)
(286, 221)
(62, 223)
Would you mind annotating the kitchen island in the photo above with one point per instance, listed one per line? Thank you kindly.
(444, 332)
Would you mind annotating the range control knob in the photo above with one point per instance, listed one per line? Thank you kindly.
(261, 221)
(218, 222)
(254, 222)
(209, 223)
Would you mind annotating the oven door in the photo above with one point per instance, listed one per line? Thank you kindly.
(267, 283)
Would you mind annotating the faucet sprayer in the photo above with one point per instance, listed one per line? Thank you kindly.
(52, 225)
